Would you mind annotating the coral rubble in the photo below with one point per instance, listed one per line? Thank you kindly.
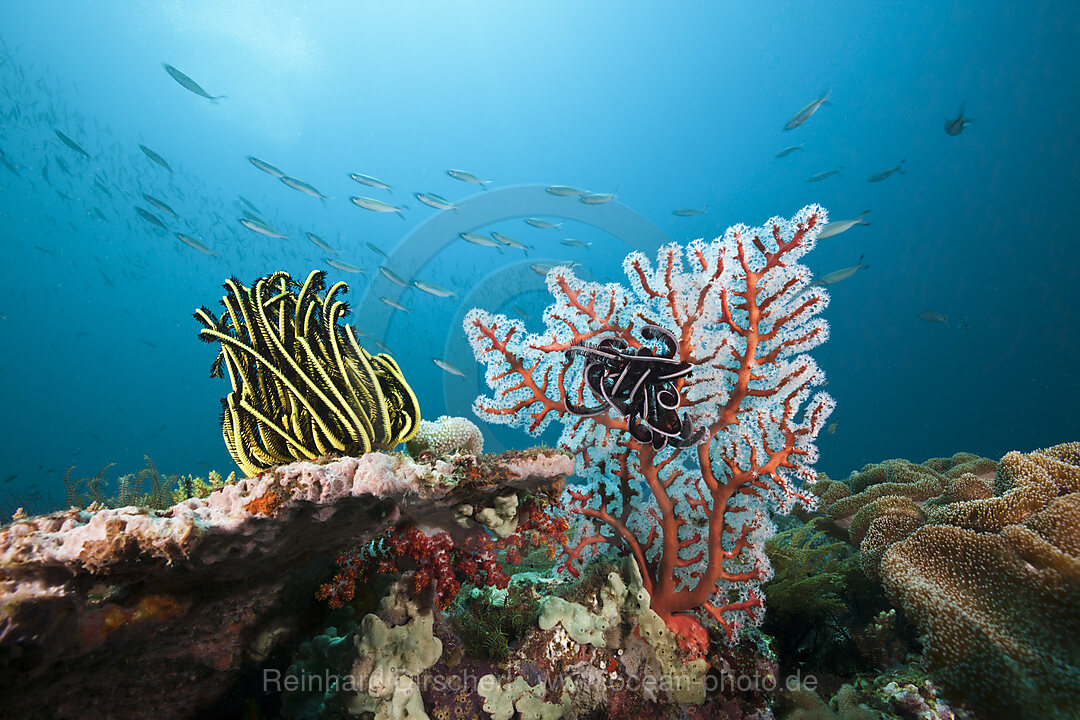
(147, 613)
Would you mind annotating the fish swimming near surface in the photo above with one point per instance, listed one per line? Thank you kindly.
(72, 144)
(467, 177)
(822, 175)
(789, 149)
(433, 289)
(838, 226)
(370, 181)
(511, 242)
(343, 266)
(955, 127)
(563, 191)
(689, 212)
(195, 244)
(885, 174)
(150, 218)
(394, 304)
(935, 317)
(262, 228)
(436, 201)
(160, 205)
(320, 243)
(265, 166)
(189, 84)
(377, 206)
(571, 242)
(303, 187)
(478, 239)
(155, 157)
(837, 275)
(597, 198)
(447, 367)
(393, 277)
(803, 115)
(543, 224)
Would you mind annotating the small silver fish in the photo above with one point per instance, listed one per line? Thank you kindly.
(878, 177)
(789, 149)
(195, 244)
(302, 187)
(511, 242)
(467, 177)
(370, 181)
(320, 243)
(151, 218)
(375, 249)
(394, 304)
(447, 367)
(563, 191)
(520, 311)
(261, 228)
(154, 156)
(433, 289)
(935, 317)
(803, 115)
(478, 239)
(244, 201)
(265, 166)
(72, 144)
(837, 275)
(343, 266)
(689, 212)
(571, 242)
(377, 206)
(955, 127)
(822, 175)
(597, 198)
(543, 224)
(383, 347)
(159, 204)
(838, 226)
(394, 277)
(189, 84)
(436, 201)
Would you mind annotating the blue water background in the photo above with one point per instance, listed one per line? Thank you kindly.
(671, 105)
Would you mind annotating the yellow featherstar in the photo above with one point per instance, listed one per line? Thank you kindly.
(301, 386)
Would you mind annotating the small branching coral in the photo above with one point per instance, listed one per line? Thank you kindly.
(301, 385)
(713, 339)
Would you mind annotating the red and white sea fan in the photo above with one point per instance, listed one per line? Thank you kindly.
(695, 519)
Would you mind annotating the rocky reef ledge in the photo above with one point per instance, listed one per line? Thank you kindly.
(131, 612)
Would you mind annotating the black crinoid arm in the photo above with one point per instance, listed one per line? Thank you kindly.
(639, 384)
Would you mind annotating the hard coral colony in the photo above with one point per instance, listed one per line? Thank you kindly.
(741, 313)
